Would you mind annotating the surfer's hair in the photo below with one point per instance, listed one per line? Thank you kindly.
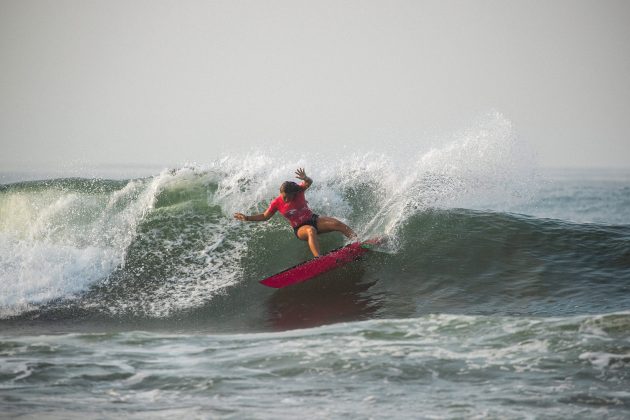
(290, 187)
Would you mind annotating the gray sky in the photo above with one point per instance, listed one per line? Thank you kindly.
(170, 81)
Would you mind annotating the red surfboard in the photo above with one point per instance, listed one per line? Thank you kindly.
(312, 268)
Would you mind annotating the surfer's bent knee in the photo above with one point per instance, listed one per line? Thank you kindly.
(307, 230)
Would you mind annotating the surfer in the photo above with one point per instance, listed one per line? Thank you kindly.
(292, 204)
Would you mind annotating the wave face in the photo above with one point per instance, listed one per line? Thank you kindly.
(473, 228)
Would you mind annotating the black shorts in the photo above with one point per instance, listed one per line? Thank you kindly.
(311, 222)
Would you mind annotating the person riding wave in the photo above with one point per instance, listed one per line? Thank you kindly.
(292, 204)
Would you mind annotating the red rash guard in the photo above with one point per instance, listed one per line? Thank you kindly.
(296, 211)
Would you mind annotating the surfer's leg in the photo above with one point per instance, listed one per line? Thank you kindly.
(330, 224)
(309, 233)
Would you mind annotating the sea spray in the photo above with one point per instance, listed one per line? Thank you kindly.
(484, 166)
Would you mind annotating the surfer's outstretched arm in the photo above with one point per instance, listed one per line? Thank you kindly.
(262, 217)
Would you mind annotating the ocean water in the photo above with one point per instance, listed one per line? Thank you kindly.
(503, 290)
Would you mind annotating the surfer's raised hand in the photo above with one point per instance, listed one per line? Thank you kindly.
(301, 174)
